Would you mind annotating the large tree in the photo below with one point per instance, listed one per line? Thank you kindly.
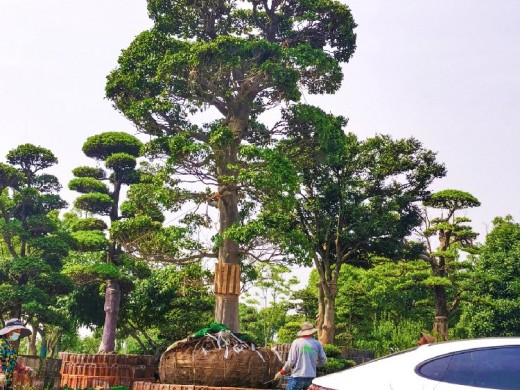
(237, 58)
(357, 198)
(33, 243)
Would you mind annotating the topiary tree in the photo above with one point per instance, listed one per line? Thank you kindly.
(443, 237)
(32, 239)
(100, 190)
(239, 58)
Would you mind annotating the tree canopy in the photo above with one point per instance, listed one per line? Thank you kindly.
(234, 59)
(357, 199)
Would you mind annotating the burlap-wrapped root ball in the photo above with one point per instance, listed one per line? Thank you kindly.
(219, 360)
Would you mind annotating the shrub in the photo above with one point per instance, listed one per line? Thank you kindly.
(335, 362)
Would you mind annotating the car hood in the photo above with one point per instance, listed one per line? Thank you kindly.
(398, 371)
(378, 374)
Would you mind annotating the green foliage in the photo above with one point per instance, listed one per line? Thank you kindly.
(40, 225)
(493, 308)
(94, 202)
(357, 199)
(89, 240)
(251, 322)
(131, 209)
(196, 72)
(30, 159)
(131, 229)
(118, 152)
(153, 240)
(335, 364)
(332, 351)
(220, 136)
(9, 176)
(33, 239)
(102, 146)
(318, 23)
(368, 300)
(87, 185)
(89, 224)
(370, 186)
(47, 184)
(178, 295)
(269, 301)
(83, 305)
(120, 162)
(387, 336)
(452, 200)
(93, 272)
(92, 172)
(53, 248)
(287, 333)
(88, 344)
(304, 302)
(437, 281)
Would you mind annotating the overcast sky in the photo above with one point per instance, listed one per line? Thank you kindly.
(443, 71)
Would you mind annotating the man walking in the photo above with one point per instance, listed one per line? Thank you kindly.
(305, 354)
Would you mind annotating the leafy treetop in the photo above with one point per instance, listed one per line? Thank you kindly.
(238, 56)
(452, 200)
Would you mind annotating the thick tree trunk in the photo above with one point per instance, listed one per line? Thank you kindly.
(112, 290)
(440, 325)
(321, 309)
(226, 311)
(227, 293)
(112, 302)
(16, 311)
(54, 346)
(326, 320)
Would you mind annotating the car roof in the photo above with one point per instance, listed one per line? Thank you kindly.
(467, 344)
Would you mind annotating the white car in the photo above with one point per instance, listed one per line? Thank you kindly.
(490, 363)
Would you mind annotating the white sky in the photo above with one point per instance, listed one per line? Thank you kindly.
(443, 71)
